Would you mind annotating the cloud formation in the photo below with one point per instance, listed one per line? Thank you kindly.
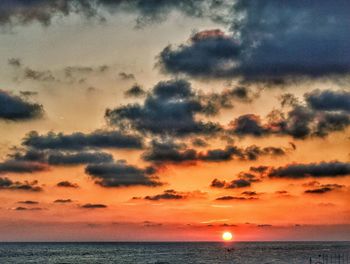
(15, 108)
(44, 11)
(324, 188)
(67, 184)
(170, 109)
(329, 100)
(79, 141)
(120, 174)
(60, 158)
(300, 120)
(93, 206)
(135, 91)
(174, 195)
(244, 179)
(269, 41)
(63, 201)
(14, 166)
(316, 170)
(7, 184)
(238, 198)
(161, 152)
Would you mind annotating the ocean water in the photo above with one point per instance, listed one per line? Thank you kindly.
(166, 253)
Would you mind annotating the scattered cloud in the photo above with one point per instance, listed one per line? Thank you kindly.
(120, 174)
(15, 108)
(316, 170)
(7, 184)
(135, 91)
(230, 198)
(324, 188)
(126, 76)
(79, 141)
(175, 195)
(93, 206)
(67, 184)
(63, 201)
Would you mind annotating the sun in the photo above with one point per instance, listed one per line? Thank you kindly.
(227, 236)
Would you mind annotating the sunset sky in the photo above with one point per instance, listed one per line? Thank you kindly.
(136, 120)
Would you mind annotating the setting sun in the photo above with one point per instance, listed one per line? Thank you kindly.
(227, 236)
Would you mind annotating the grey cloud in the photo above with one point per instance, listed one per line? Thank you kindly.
(230, 198)
(67, 184)
(270, 41)
(244, 180)
(78, 140)
(120, 174)
(324, 188)
(93, 206)
(7, 184)
(135, 91)
(14, 166)
(15, 108)
(315, 170)
(28, 202)
(63, 201)
(126, 76)
(329, 100)
(79, 158)
(170, 109)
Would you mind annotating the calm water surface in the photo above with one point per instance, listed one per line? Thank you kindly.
(166, 253)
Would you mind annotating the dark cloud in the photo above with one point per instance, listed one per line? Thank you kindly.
(21, 208)
(126, 76)
(67, 184)
(297, 119)
(78, 140)
(93, 206)
(15, 62)
(287, 43)
(250, 193)
(135, 91)
(7, 184)
(324, 188)
(170, 152)
(28, 93)
(210, 53)
(14, 166)
(167, 195)
(36, 75)
(315, 170)
(79, 158)
(54, 157)
(248, 125)
(198, 142)
(212, 103)
(120, 174)
(226, 154)
(170, 109)
(230, 198)
(28, 202)
(63, 201)
(328, 100)
(15, 108)
(244, 180)
(67, 75)
(271, 41)
(175, 195)
(43, 11)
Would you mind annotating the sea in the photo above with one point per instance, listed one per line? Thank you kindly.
(177, 252)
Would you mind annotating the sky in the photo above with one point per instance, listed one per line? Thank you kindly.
(174, 120)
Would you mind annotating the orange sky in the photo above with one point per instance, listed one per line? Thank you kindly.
(106, 60)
